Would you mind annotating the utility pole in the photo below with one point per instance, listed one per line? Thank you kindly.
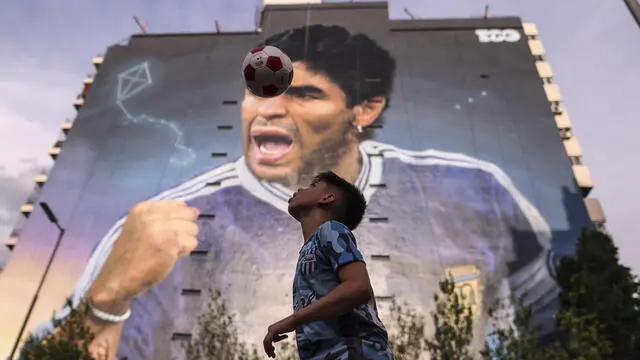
(406, 11)
(634, 8)
(54, 220)
(141, 26)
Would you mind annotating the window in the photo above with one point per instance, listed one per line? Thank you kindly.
(566, 133)
(190, 292)
(555, 107)
(538, 57)
(600, 226)
(576, 160)
(547, 80)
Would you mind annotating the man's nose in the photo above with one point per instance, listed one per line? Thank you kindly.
(272, 107)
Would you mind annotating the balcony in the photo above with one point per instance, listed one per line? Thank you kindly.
(78, 102)
(40, 179)
(97, 61)
(596, 213)
(87, 83)
(583, 178)
(530, 29)
(544, 69)
(536, 48)
(11, 242)
(66, 126)
(26, 209)
(553, 92)
(88, 79)
(563, 121)
(566, 133)
(572, 146)
(54, 152)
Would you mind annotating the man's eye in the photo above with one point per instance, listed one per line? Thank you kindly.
(308, 96)
(303, 95)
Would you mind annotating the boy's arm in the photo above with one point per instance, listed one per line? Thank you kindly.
(338, 245)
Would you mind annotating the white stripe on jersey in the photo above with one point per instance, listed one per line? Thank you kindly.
(435, 157)
(532, 278)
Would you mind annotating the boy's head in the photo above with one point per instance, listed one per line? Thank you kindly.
(333, 194)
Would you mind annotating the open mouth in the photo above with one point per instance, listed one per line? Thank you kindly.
(271, 143)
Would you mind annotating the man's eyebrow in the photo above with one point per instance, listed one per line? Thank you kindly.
(305, 90)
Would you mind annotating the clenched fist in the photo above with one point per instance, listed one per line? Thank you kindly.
(154, 235)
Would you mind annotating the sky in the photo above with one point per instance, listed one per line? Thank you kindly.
(593, 47)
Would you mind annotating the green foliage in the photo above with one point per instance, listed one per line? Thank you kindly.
(584, 338)
(217, 337)
(515, 336)
(453, 323)
(599, 315)
(599, 319)
(601, 294)
(70, 341)
(406, 332)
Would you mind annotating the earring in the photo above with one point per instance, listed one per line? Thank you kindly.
(359, 129)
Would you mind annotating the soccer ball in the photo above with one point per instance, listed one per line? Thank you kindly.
(267, 71)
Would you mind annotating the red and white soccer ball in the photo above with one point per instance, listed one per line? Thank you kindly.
(267, 71)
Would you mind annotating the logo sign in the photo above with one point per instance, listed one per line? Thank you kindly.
(498, 35)
(467, 283)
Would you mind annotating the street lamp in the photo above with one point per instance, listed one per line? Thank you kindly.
(54, 220)
(634, 8)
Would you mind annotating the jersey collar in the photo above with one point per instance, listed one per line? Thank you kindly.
(278, 195)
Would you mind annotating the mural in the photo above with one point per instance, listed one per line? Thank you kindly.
(451, 139)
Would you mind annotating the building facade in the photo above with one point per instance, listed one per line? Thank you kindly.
(470, 102)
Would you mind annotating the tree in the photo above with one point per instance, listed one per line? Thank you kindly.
(70, 341)
(406, 332)
(217, 337)
(599, 314)
(515, 337)
(453, 323)
(600, 292)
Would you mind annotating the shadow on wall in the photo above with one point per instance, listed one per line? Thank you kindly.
(548, 304)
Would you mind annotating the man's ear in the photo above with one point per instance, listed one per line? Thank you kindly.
(367, 112)
(328, 198)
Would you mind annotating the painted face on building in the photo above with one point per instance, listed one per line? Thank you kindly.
(309, 129)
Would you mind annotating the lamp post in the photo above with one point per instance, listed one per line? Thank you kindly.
(54, 220)
(634, 8)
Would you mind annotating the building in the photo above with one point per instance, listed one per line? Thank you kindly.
(467, 99)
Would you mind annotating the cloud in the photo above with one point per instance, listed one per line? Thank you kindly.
(34, 103)
(14, 190)
(23, 138)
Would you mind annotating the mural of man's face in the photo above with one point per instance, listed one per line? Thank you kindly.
(294, 136)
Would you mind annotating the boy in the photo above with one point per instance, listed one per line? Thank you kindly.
(335, 315)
